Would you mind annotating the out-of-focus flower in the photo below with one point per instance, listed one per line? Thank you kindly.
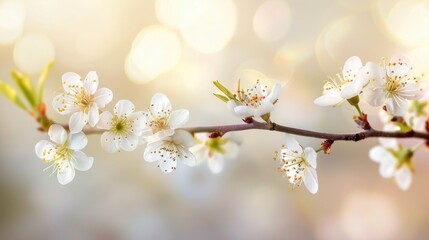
(160, 121)
(395, 161)
(394, 86)
(63, 153)
(299, 165)
(81, 99)
(214, 150)
(171, 150)
(354, 78)
(124, 127)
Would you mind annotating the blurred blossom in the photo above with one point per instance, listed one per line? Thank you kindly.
(155, 50)
(272, 19)
(367, 215)
(12, 18)
(33, 52)
(208, 25)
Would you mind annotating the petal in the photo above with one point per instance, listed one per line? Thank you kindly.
(168, 162)
(45, 150)
(396, 105)
(129, 143)
(231, 149)
(387, 167)
(275, 92)
(187, 157)
(91, 82)
(310, 156)
(137, 123)
(378, 154)
(77, 121)
(398, 66)
(123, 108)
(178, 118)
(243, 111)
(152, 151)
(184, 138)
(292, 144)
(102, 97)
(369, 72)
(105, 121)
(160, 104)
(109, 142)
(404, 177)
(411, 91)
(216, 163)
(310, 180)
(82, 162)
(66, 174)
(328, 99)
(77, 141)
(351, 68)
(264, 108)
(57, 134)
(72, 83)
(389, 142)
(200, 153)
(351, 89)
(231, 104)
(374, 96)
(63, 104)
(150, 137)
(93, 115)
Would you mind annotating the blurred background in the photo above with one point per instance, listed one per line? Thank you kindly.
(178, 47)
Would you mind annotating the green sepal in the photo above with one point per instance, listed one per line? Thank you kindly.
(24, 84)
(42, 80)
(11, 95)
(224, 90)
(221, 97)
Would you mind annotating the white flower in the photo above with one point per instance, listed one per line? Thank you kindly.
(354, 78)
(214, 150)
(63, 153)
(170, 150)
(255, 101)
(124, 127)
(394, 161)
(81, 99)
(299, 165)
(394, 87)
(160, 121)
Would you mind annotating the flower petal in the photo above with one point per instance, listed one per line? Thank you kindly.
(243, 111)
(178, 118)
(77, 121)
(275, 92)
(66, 174)
(129, 143)
(160, 104)
(387, 167)
(292, 144)
(77, 141)
(91, 82)
(72, 83)
(184, 138)
(187, 157)
(328, 99)
(102, 97)
(396, 105)
(375, 96)
(82, 162)
(310, 156)
(411, 91)
(398, 66)
(378, 154)
(45, 150)
(216, 163)
(123, 108)
(200, 153)
(351, 68)
(404, 177)
(368, 73)
(231, 149)
(264, 108)
(168, 162)
(310, 180)
(57, 134)
(109, 142)
(105, 121)
(152, 152)
(351, 89)
(93, 115)
(63, 104)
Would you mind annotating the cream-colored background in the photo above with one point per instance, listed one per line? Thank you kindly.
(297, 42)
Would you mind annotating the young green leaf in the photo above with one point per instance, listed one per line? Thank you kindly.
(221, 97)
(26, 87)
(224, 90)
(10, 94)
(42, 80)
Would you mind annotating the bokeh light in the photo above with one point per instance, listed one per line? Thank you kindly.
(272, 19)
(208, 25)
(33, 52)
(168, 11)
(155, 50)
(12, 18)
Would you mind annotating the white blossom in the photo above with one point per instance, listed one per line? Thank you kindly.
(395, 161)
(63, 153)
(394, 86)
(299, 165)
(124, 127)
(81, 99)
(171, 150)
(255, 101)
(354, 78)
(214, 150)
(160, 121)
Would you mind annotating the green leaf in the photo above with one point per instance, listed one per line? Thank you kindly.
(26, 87)
(221, 97)
(10, 94)
(224, 90)
(42, 80)
(403, 127)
